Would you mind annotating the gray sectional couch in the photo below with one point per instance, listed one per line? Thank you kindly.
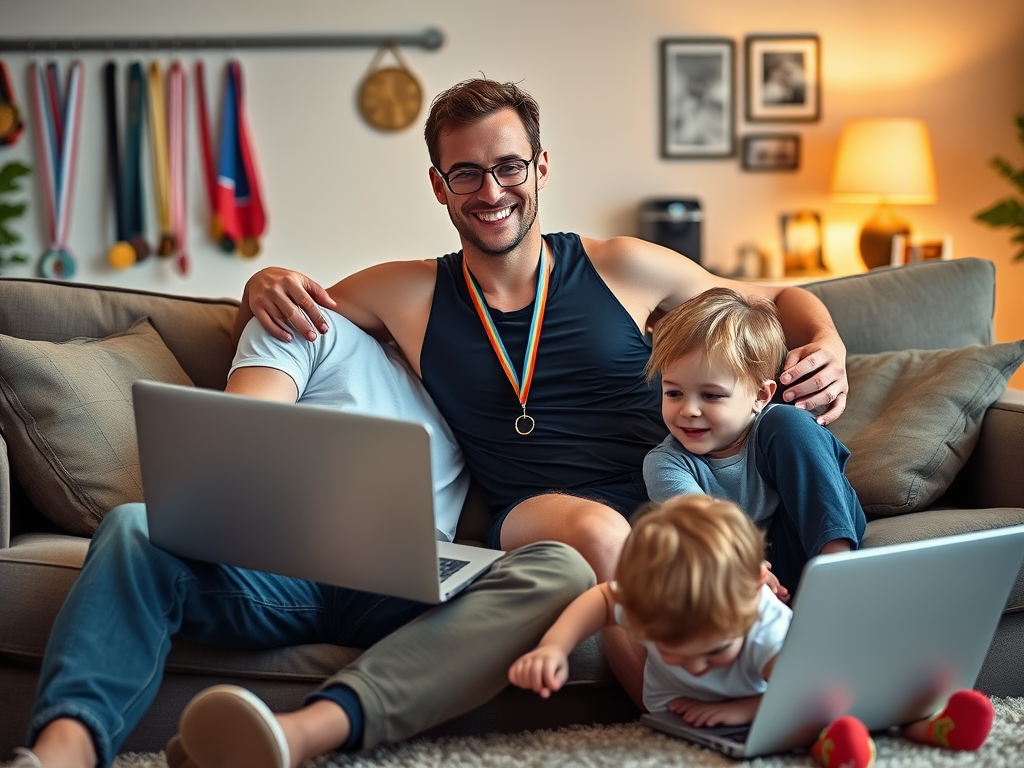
(913, 485)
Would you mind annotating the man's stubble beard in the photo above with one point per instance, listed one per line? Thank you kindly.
(524, 228)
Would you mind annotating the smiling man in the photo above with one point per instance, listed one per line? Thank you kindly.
(532, 346)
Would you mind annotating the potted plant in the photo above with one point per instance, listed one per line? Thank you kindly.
(10, 211)
(1008, 212)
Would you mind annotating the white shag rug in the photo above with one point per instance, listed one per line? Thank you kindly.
(632, 745)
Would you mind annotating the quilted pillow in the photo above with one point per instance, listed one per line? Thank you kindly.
(66, 415)
(913, 418)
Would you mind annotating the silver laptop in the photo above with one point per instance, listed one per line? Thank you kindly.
(885, 634)
(297, 490)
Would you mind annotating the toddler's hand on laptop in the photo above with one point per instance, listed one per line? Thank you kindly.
(769, 578)
(543, 670)
(710, 713)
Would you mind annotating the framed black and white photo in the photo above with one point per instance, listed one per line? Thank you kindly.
(697, 97)
(771, 152)
(783, 78)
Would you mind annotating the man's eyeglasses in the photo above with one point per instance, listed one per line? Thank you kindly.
(465, 180)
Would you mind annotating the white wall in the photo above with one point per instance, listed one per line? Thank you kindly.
(342, 196)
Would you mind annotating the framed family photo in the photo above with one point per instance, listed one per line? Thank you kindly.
(697, 97)
(771, 152)
(783, 78)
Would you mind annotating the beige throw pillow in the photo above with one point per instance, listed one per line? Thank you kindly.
(913, 417)
(66, 414)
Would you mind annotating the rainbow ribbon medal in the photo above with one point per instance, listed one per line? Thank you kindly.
(524, 423)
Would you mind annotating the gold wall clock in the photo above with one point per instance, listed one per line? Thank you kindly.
(390, 97)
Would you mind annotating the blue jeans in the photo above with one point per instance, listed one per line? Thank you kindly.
(106, 654)
(804, 463)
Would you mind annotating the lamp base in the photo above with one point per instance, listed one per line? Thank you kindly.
(876, 237)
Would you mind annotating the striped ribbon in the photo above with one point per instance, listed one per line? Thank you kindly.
(176, 132)
(524, 424)
(161, 163)
(57, 159)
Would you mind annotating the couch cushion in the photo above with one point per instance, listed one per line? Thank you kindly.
(913, 418)
(931, 305)
(66, 415)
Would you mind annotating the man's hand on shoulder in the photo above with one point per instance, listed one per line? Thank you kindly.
(282, 299)
(814, 375)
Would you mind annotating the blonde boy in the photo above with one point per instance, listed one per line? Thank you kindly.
(688, 586)
(718, 355)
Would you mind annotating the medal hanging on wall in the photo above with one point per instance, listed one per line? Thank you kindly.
(11, 125)
(166, 245)
(524, 423)
(121, 255)
(206, 156)
(177, 164)
(57, 128)
(239, 201)
(133, 208)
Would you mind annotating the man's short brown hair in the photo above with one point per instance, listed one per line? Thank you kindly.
(744, 332)
(690, 569)
(473, 100)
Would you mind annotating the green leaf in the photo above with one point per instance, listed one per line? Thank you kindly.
(10, 174)
(1020, 127)
(1019, 256)
(11, 211)
(7, 237)
(1006, 213)
(1008, 172)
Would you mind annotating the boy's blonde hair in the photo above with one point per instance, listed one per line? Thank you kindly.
(690, 569)
(744, 332)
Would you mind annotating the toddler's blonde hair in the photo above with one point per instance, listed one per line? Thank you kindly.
(690, 569)
(744, 332)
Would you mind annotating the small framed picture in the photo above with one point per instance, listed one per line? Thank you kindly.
(783, 78)
(771, 152)
(801, 243)
(906, 249)
(697, 97)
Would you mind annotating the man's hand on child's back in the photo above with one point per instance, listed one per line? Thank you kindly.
(702, 714)
(543, 670)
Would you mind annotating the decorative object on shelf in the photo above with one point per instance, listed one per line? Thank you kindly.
(801, 242)
(11, 124)
(884, 162)
(1008, 212)
(673, 223)
(771, 152)
(697, 97)
(783, 78)
(57, 127)
(10, 212)
(389, 97)
(907, 249)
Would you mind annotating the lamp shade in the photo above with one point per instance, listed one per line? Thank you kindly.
(884, 160)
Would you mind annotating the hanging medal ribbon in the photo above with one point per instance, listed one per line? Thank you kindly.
(11, 124)
(121, 254)
(133, 206)
(57, 176)
(524, 423)
(239, 202)
(177, 169)
(251, 213)
(161, 164)
(206, 152)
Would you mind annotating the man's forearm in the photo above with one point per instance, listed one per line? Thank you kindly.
(804, 318)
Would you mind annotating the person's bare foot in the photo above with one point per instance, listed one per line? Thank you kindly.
(62, 743)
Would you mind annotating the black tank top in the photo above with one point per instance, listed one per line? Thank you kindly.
(596, 416)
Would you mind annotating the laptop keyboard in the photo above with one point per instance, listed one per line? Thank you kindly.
(447, 566)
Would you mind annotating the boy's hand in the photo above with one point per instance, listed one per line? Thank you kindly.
(769, 578)
(710, 713)
(543, 670)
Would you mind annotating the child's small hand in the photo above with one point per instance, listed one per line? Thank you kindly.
(543, 670)
(710, 713)
(769, 578)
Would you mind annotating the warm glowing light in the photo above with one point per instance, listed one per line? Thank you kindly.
(884, 160)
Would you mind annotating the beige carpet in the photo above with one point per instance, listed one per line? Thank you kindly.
(634, 746)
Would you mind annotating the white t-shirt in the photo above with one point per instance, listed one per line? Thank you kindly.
(744, 677)
(349, 370)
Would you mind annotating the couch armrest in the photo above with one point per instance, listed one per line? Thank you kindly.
(5, 496)
(991, 477)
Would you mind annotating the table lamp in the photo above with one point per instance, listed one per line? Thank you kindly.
(885, 161)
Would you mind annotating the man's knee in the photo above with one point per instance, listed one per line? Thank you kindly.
(556, 568)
